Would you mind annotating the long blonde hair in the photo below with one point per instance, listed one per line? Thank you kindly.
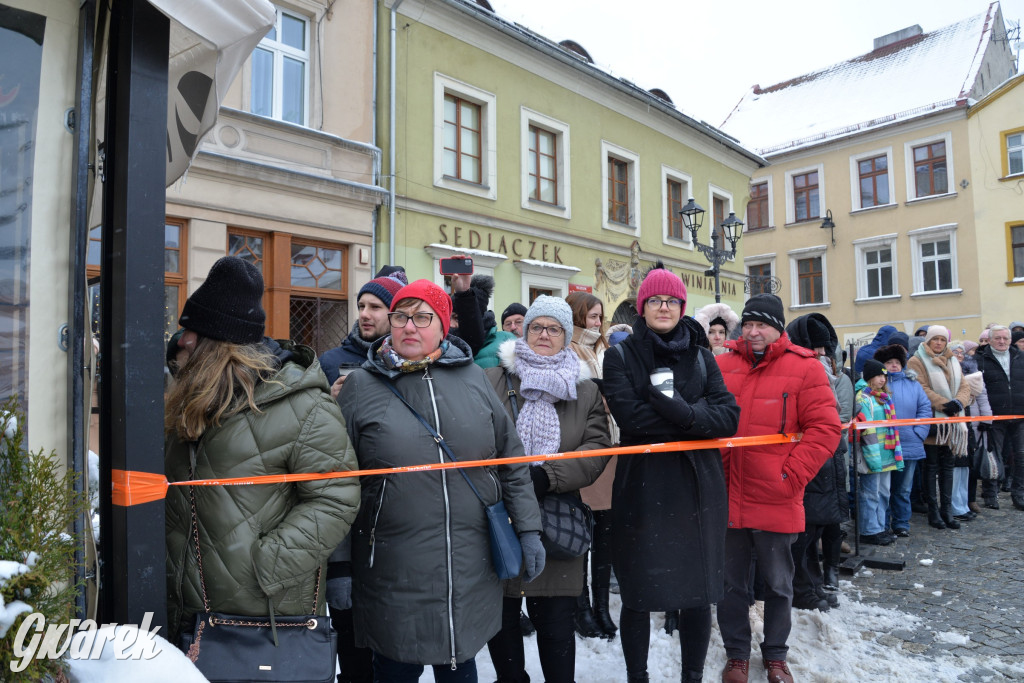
(218, 380)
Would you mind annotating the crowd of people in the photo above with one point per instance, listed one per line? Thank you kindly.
(403, 562)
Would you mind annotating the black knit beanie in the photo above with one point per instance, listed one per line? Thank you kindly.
(765, 308)
(228, 306)
(513, 309)
(872, 368)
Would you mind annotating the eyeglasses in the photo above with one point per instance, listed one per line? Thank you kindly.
(655, 303)
(400, 320)
(552, 330)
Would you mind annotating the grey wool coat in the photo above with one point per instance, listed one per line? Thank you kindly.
(263, 544)
(424, 586)
(584, 427)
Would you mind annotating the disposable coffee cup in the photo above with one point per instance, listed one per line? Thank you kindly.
(345, 369)
(661, 379)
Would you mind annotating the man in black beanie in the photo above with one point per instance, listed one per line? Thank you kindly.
(781, 388)
(512, 318)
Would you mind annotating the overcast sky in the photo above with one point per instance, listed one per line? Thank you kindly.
(707, 55)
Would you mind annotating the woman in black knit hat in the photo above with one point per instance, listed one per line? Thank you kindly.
(243, 405)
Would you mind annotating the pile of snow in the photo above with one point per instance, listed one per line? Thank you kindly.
(8, 613)
(169, 664)
(853, 642)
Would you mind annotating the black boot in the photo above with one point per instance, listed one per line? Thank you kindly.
(638, 678)
(586, 627)
(930, 485)
(691, 676)
(525, 625)
(602, 616)
(831, 578)
(671, 622)
(946, 491)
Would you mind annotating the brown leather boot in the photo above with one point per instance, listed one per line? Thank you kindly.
(735, 671)
(777, 671)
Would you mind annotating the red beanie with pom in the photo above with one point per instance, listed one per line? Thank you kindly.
(436, 298)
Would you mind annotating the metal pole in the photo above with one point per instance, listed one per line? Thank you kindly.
(718, 291)
(132, 309)
(77, 319)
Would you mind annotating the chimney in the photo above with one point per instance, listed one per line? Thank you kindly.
(897, 36)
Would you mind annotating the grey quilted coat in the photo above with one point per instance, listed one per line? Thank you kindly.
(424, 587)
(584, 427)
(262, 544)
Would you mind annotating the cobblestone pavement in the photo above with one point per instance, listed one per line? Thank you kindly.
(968, 581)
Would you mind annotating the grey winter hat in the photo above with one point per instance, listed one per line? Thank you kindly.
(550, 307)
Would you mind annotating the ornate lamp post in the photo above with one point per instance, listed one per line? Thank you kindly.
(732, 228)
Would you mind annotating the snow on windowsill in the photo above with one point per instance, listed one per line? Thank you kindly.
(928, 198)
(875, 299)
(940, 292)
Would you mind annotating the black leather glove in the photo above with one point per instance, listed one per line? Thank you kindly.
(674, 409)
(541, 482)
(953, 407)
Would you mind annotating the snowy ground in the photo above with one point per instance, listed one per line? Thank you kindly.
(846, 644)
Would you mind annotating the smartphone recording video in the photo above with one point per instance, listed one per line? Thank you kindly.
(457, 265)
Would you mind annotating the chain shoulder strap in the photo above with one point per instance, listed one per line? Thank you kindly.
(199, 554)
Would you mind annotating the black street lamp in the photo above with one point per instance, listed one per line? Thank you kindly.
(732, 229)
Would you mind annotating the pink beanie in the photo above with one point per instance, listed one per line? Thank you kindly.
(660, 282)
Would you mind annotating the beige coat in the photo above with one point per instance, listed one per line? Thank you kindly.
(584, 342)
(943, 360)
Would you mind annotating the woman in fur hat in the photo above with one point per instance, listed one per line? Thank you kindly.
(719, 322)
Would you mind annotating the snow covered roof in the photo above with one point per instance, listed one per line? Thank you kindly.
(918, 75)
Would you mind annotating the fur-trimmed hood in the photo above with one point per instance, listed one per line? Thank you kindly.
(507, 357)
(708, 313)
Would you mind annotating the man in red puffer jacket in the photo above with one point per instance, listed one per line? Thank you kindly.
(781, 388)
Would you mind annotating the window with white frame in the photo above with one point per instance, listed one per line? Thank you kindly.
(619, 189)
(1015, 153)
(465, 138)
(675, 192)
(929, 166)
(759, 207)
(280, 70)
(545, 164)
(934, 259)
(808, 276)
(803, 193)
(539, 277)
(720, 201)
(876, 272)
(871, 179)
(760, 274)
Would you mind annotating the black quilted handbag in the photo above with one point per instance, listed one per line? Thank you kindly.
(568, 525)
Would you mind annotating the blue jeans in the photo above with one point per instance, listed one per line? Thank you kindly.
(960, 477)
(872, 502)
(389, 671)
(899, 499)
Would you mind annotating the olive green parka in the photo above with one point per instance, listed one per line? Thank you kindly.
(262, 545)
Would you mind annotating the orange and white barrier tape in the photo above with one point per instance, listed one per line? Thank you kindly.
(135, 488)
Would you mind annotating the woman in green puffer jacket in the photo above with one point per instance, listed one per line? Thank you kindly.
(243, 405)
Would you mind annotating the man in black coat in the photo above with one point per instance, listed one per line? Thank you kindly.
(1002, 367)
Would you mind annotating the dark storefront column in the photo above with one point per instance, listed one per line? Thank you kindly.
(132, 306)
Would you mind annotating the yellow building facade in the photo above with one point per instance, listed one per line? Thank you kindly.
(995, 127)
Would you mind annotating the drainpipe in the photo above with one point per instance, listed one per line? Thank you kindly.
(375, 219)
(391, 137)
